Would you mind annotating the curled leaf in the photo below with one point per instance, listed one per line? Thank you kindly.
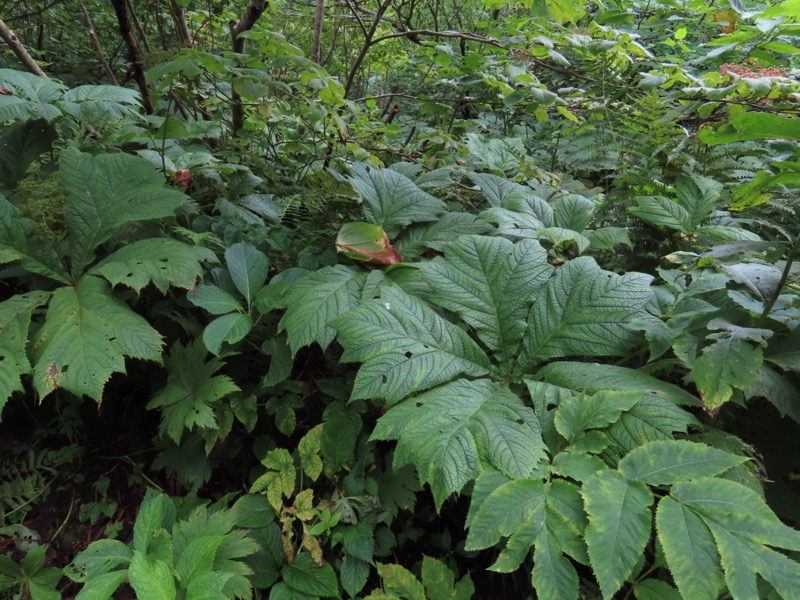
(368, 243)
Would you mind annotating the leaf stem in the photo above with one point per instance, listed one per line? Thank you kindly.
(795, 249)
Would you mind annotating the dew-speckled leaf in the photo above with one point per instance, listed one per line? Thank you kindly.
(619, 527)
(490, 283)
(449, 432)
(405, 347)
(665, 462)
(316, 300)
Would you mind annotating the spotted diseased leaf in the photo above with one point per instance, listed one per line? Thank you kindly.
(451, 432)
(309, 450)
(86, 335)
(584, 311)
(392, 200)
(161, 261)
(490, 283)
(401, 582)
(193, 391)
(367, 243)
(279, 480)
(729, 362)
(316, 300)
(405, 347)
(619, 527)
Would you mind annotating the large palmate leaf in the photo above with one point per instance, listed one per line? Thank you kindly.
(192, 390)
(107, 191)
(490, 283)
(729, 528)
(316, 300)
(15, 319)
(86, 334)
(451, 432)
(548, 516)
(584, 311)
(392, 200)
(405, 347)
(19, 241)
(619, 526)
(161, 261)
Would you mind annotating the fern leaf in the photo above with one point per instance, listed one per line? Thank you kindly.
(316, 300)
(86, 334)
(405, 347)
(619, 527)
(450, 432)
(490, 283)
(585, 311)
(161, 261)
(107, 191)
(15, 319)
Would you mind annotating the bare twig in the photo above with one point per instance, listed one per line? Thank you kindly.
(19, 50)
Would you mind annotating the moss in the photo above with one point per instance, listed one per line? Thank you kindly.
(42, 200)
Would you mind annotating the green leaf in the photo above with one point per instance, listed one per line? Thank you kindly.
(248, 268)
(662, 212)
(209, 586)
(655, 589)
(497, 189)
(490, 283)
(161, 261)
(316, 300)
(156, 512)
(280, 362)
(213, 299)
(22, 143)
(107, 191)
(85, 336)
(16, 235)
(353, 574)
(281, 591)
(305, 576)
(392, 200)
(102, 586)
(439, 581)
(752, 126)
(15, 320)
(367, 243)
(573, 212)
(400, 581)
(585, 311)
(253, 511)
(151, 578)
(449, 432)
(579, 413)
(690, 550)
(729, 362)
(339, 437)
(405, 347)
(667, 462)
(309, 449)
(359, 541)
(447, 228)
(231, 328)
(279, 481)
(698, 196)
(197, 558)
(619, 527)
(192, 391)
(562, 239)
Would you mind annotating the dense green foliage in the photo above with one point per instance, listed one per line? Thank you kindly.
(395, 300)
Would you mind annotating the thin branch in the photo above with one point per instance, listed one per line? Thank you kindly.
(442, 34)
(98, 48)
(19, 50)
(34, 13)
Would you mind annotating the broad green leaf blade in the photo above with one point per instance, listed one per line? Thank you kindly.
(248, 268)
(316, 300)
(197, 558)
(497, 189)
(690, 551)
(405, 347)
(20, 240)
(85, 336)
(662, 212)
(15, 320)
(392, 200)
(504, 511)
(213, 299)
(438, 580)
(563, 239)
(151, 578)
(752, 126)
(192, 390)
(281, 591)
(450, 432)
(573, 212)
(730, 362)
(231, 328)
(619, 527)
(20, 144)
(585, 311)
(553, 576)
(655, 589)
(698, 196)
(579, 413)
(490, 283)
(209, 586)
(161, 261)
(666, 462)
(306, 577)
(107, 191)
(399, 580)
(100, 557)
(353, 574)
(103, 586)
(447, 228)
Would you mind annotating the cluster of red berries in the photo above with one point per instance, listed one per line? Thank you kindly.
(743, 71)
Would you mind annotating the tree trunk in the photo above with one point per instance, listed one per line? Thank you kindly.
(253, 11)
(98, 47)
(181, 28)
(316, 33)
(133, 52)
(20, 51)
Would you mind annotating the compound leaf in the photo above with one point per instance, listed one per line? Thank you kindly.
(450, 432)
